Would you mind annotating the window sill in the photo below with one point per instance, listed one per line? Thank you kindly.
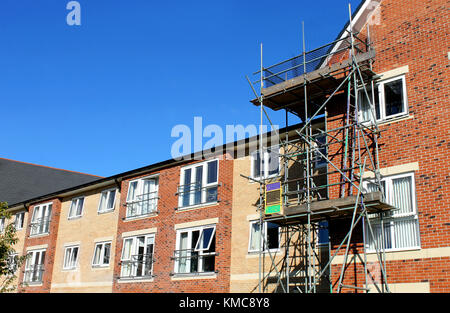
(145, 279)
(74, 218)
(69, 269)
(389, 121)
(104, 212)
(38, 235)
(140, 217)
(393, 251)
(32, 284)
(193, 276)
(100, 267)
(255, 254)
(255, 180)
(197, 206)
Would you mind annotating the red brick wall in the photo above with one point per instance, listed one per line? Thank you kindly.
(165, 237)
(413, 33)
(50, 240)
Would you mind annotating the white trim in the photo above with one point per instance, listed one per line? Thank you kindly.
(102, 249)
(393, 170)
(39, 247)
(266, 163)
(197, 223)
(75, 266)
(250, 252)
(69, 217)
(146, 231)
(114, 202)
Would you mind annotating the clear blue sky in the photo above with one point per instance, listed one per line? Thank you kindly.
(102, 98)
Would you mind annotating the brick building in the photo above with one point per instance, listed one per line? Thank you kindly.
(375, 162)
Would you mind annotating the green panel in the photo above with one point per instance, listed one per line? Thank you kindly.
(273, 209)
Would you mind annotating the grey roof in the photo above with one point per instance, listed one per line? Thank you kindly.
(21, 181)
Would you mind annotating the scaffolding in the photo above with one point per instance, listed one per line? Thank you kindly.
(313, 86)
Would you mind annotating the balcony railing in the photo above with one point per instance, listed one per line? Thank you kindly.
(33, 274)
(143, 205)
(139, 266)
(189, 261)
(196, 194)
(40, 226)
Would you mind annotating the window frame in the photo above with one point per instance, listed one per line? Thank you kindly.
(382, 101)
(45, 211)
(71, 267)
(133, 251)
(22, 219)
(413, 215)
(139, 193)
(108, 192)
(201, 252)
(102, 254)
(29, 263)
(204, 184)
(2, 224)
(265, 163)
(249, 250)
(77, 199)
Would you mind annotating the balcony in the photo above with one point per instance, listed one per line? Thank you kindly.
(33, 274)
(192, 262)
(195, 194)
(40, 226)
(143, 205)
(139, 266)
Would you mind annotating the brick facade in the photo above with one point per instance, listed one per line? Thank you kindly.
(412, 33)
(165, 236)
(40, 240)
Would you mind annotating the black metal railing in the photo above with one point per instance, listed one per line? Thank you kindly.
(312, 60)
(33, 274)
(189, 261)
(196, 194)
(143, 205)
(40, 226)
(139, 266)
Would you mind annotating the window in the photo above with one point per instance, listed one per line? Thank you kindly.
(137, 256)
(71, 257)
(271, 238)
(76, 207)
(102, 253)
(199, 184)
(18, 222)
(107, 201)
(12, 263)
(142, 198)
(390, 100)
(40, 220)
(320, 143)
(196, 250)
(400, 227)
(2, 224)
(270, 166)
(34, 267)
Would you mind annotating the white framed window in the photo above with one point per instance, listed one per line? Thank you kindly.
(270, 166)
(137, 256)
(18, 220)
(198, 184)
(76, 207)
(40, 220)
(195, 250)
(390, 101)
(142, 197)
(2, 224)
(320, 143)
(12, 263)
(34, 266)
(271, 239)
(107, 200)
(71, 257)
(102, 254)
(401, 226)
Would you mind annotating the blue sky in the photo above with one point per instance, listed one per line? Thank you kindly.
(103, 97)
